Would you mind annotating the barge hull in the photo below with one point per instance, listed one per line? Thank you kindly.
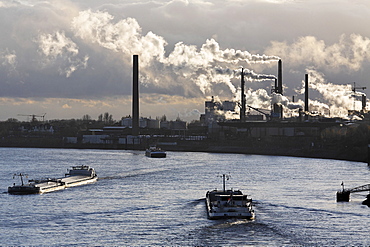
(78, 181)
(77, 176)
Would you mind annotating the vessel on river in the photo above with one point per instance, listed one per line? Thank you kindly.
(228, 204)
(77, 175)
(155, 152)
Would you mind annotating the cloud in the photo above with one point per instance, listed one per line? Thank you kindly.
(349, 52)
(66, 106)
(124, 36)
(336, 100)
(188, 50)
(185, 64)
(57, 45)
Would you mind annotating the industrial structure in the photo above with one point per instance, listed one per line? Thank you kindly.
(226, 126)
(135, 96)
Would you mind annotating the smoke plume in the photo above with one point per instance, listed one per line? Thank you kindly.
(336, 99)
(208, 69)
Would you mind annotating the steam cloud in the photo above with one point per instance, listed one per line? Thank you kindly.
(337, 99)
(189, 70)
(350, 52)
(210, 65)
(57, 45)
(183, 65)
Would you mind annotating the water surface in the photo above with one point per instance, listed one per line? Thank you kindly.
(144, 201)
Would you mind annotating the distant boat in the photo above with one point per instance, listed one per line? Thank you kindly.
(77, 175)
(155, 152)
(224, 203)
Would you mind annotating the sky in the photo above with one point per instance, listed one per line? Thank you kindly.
(65, 59)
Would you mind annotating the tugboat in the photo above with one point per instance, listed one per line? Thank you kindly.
(224, 203)
(155, 152)
(77, 175)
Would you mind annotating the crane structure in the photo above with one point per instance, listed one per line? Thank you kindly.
(268, 116)
(34, 117)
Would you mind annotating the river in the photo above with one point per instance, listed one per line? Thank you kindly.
(141, 201)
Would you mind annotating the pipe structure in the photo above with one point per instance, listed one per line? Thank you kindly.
(242, 108)
(306, 93)
(363, 99)
(135, 96)
(280, 78)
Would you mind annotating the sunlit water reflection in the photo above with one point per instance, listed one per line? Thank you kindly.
(144, 201)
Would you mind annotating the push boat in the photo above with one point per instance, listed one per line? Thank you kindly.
(224, 203)
(76, 176)
(155, 152)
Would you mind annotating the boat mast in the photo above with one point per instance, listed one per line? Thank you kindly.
(224, 177)
(21, 176)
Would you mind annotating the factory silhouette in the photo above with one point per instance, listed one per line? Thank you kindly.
(264, 132)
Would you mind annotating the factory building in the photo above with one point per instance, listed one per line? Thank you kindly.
(216, 111)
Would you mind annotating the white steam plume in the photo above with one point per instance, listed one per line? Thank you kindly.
(57, 46)
(252, 76)
(350, 52)
(337, 99)
(186, 63)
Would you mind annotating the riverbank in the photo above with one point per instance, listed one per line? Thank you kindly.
(278, 147)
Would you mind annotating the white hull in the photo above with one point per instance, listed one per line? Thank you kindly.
(77, 176)
(227, 205)
(82, 182)
(51, 188)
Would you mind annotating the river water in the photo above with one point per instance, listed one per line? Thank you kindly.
(141, 201)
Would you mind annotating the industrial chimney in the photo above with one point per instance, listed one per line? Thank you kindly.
(280, 78)
(306, 93)
(363, 99)
(277, 109)
(135, 96)
(242, 108)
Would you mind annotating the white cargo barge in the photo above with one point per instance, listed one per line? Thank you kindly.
(221, 204)
(76, 176)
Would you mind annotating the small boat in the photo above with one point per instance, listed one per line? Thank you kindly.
(77, 175)
(367, 201)
(224, 203)
(155, 152)
(35, 186)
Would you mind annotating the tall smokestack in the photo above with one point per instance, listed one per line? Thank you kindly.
(280, 78)
(276, 85)
(135, 96)
(306, 93)
(242, 108)
(363, 98)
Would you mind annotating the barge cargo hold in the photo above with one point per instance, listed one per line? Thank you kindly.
(76, 176)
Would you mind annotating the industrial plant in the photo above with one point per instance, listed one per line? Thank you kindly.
(231, 126)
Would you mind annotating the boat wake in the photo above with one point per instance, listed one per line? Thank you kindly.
(238, 232)
(196, 202)
(310, 210)
(135, 173)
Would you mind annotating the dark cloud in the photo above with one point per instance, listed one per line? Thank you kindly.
(82, 50)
